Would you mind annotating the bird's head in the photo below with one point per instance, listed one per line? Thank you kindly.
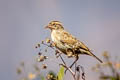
(54, 25)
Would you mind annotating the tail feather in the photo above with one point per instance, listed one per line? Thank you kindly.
(96, 57)
(91, 54)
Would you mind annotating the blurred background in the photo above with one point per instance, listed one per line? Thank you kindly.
(22, 22)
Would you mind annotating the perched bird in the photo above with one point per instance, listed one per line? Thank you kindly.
(67, 43)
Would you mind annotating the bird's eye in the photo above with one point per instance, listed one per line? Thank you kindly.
(54, 25)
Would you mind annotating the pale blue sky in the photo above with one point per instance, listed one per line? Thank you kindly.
(95, 22)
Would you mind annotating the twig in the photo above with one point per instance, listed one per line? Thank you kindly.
(82, 69)
(62, 60)
(48, 46)
(73, 74)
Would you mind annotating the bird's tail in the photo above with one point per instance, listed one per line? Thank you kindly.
(91, 54)
(96, 57)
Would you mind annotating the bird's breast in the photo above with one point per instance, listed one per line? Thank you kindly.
(55, 36)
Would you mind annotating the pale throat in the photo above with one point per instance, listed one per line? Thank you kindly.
(54, 36)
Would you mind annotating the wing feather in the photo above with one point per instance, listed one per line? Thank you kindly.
(68, 39)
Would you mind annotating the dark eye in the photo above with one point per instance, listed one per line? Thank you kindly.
(54, 25)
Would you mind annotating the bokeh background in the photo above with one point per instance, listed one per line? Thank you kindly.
(22, 22)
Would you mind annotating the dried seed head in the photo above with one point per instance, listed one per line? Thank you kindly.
(52, 45)
(39, 53)
(78, 68)
(45, 57)
(51, 76)
(47, 40)
(41, 58)
(44, 66)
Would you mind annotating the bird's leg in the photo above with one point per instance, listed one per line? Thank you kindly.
(62, 59)
(76, 59)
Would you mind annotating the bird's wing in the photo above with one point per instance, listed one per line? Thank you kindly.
(68, 39)
(82, 46)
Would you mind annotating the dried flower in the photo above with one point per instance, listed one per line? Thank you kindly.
(44, 66)
(41, 58)
(51, 76)
(39, 53)
(52, 44)
(47, 40)
(78, 68)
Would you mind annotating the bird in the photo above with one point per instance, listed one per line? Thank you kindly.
(67, 43)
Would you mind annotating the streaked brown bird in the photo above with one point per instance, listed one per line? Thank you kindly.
(67, 43)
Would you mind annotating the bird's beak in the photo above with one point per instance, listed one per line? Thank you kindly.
(49, 27)
(46, 27)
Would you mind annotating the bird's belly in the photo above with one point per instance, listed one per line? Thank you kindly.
(57, 40)
(61, 47)
(58, 44)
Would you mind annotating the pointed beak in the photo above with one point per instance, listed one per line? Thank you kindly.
(49, 27)
(46, 27)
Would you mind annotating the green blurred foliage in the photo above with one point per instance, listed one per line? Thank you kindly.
(61, 73)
